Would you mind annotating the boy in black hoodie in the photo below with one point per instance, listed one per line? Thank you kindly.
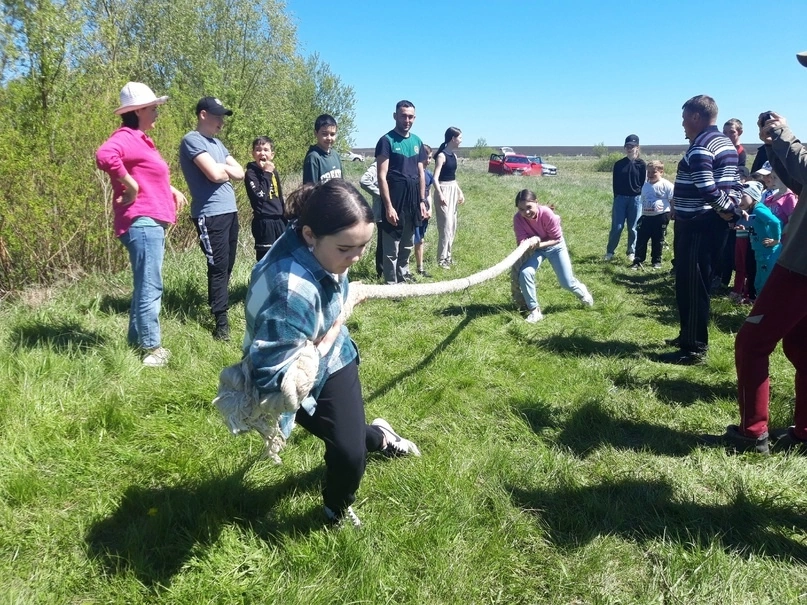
(265, 195)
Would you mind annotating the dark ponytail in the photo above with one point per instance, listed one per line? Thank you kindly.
(525, 195)
(451, 132)
(328, 207)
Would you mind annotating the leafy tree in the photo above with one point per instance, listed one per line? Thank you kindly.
(62, 64)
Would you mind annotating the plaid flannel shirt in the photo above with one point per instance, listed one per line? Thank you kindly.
(291, 300)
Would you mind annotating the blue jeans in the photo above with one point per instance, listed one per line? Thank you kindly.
(558, 257)
(146, 246)
(626, 209)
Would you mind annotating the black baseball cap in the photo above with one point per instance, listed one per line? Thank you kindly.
(212, 105)
(631, 139)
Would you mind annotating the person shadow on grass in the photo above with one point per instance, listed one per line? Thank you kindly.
(650, 510)
(154, 531)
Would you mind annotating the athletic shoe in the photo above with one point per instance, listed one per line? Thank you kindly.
(444, 264)
(394, 445)
(733, 439)
(222, 329)
(588, 300)
(608, 256)
(408, 278)
(222, 333)
(534, 316)
(157, 358)
(735, 297)
(682, 357)
(424, 273)
(657, 265)
(636, 266)
(673, 342)
(342, 517)
(630, 258)
(785, 440)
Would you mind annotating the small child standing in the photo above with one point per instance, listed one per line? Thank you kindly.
(420, 232)
(265, 195)
(322, 163)
(533, 219)
(656, 195)
(765, 232)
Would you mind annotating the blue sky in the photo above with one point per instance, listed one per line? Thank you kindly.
(573, 72)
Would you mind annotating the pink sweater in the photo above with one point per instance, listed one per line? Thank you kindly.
(133, 152)
(546, 225)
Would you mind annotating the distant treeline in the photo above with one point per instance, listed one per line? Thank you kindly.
(62, 65)
(571, 151)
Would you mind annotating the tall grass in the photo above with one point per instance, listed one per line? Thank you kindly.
(560, 464)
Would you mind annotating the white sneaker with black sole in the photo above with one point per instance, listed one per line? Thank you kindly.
(342, 518)
(394, 444)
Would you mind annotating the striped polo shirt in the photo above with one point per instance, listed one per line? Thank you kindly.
(707, 178)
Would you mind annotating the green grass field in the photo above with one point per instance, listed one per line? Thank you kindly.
(560, 464)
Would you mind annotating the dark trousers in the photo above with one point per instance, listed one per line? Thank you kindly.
(697, 244)
(652, 229)
(727, 265)
(339, 422)
(218, 239)
(379, 251)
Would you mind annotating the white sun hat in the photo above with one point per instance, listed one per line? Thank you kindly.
(136, 95)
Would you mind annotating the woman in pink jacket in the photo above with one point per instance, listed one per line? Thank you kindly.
(144, 204)
(533, 219)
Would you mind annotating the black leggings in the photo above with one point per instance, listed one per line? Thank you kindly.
(339, 422)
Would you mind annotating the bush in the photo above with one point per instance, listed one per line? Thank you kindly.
(606, 163)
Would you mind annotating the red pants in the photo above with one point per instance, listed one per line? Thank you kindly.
(780, 313)
(741, 245)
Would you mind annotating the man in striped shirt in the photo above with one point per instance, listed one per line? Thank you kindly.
(705, 198)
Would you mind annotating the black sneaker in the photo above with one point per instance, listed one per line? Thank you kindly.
(394, 445)
(408, 278)
(682, 357)
(785, 440)
(424, 273)
(733, 439)
(342, 518)
(222, 330)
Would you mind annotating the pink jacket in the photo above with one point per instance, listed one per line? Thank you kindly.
(546, 225)
(132, 151)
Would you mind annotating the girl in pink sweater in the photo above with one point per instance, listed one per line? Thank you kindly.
(531, 220)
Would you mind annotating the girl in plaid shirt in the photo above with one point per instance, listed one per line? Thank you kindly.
(296, 300)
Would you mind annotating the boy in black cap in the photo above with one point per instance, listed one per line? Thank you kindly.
(628, 177)
(209, 169)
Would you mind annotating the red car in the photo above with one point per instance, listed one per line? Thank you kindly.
(513, 164)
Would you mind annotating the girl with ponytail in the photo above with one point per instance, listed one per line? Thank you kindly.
(447, 194)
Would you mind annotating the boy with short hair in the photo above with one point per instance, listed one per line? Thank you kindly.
(322, 163)
(209, 170)
(629, 174)
(656, 195)
(265, 196)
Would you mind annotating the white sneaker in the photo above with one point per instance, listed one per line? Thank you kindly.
(588, 300)
(608, 256)
(535, 316)
(157, 358)
(341, 518)
(394, 444)
(630, 258)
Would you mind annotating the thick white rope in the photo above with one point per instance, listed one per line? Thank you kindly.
(239, 401)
